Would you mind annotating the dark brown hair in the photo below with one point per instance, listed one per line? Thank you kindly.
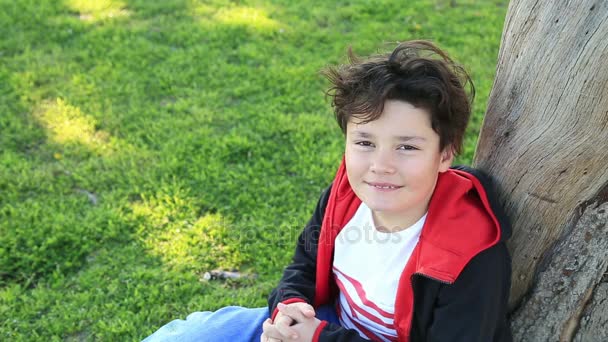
(417, 72)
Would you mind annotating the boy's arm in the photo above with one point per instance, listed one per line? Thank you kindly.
(328, 332)
(298, 281)
(308, 329)
(474, 308)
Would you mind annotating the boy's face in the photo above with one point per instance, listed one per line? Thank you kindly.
(393, 162)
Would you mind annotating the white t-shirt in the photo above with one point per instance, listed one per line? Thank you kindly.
(367, 267)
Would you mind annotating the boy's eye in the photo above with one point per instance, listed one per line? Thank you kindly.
(364, 143)
(407, 147)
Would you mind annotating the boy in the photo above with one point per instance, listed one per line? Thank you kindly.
(436, 267)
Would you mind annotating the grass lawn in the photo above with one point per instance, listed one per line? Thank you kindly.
(143, 143)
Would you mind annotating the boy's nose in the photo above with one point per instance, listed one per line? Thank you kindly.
(382, 164)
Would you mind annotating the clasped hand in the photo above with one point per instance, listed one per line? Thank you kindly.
(294, 322)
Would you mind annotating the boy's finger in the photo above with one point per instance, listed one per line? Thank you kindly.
(308, 310)
(283, 326)
(293, 311)
(272, 331)
(284, 320)
(266, 328)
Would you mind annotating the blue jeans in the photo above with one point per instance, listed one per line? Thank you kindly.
(232, 323)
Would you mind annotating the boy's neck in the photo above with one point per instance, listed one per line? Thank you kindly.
(396, 222)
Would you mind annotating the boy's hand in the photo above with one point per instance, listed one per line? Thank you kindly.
(283, 327)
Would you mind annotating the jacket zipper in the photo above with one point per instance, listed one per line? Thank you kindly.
(414, 297)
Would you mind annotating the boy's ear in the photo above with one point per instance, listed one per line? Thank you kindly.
(447, 157)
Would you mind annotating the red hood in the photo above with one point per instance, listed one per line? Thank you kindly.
(460, 224)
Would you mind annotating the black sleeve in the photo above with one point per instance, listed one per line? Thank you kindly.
(336, 333)
(298, 281)
(299, 277)
(474, 307)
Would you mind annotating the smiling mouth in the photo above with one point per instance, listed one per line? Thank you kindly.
(384, 186)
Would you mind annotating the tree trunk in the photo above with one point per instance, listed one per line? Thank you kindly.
(545, 142)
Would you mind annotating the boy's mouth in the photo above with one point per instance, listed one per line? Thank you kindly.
(383, 186)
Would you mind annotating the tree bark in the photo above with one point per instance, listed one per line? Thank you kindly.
(545, 142)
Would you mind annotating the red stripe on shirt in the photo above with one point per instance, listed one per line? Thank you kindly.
(370, 316)
(361, 292)
(360, 328)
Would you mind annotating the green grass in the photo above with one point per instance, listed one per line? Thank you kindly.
(143, 143)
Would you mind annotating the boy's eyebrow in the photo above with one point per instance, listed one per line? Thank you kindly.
(399, 138)
(363, 134)
(408, 138)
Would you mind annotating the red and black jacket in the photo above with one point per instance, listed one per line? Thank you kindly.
(454, 287)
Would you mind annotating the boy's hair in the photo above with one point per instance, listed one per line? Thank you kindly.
(417, 72)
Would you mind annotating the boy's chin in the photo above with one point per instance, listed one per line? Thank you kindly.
(383, 209)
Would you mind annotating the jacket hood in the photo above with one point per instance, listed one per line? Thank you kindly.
(464, 218)
(462, 222)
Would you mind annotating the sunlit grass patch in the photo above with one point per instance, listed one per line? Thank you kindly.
(66, 124)
(94, 10)
(173, 229)
(201, 245)
(247, 16)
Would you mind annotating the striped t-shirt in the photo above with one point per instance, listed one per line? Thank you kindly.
(367, 267)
